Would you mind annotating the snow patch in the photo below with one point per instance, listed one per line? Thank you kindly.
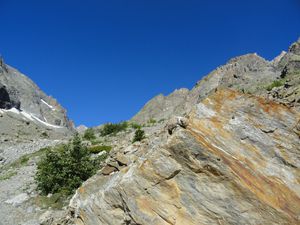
(45, 123)
(50, 106)
(29, 116)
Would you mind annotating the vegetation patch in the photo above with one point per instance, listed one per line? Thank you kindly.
(138, 135)
(275, 83)
(113, 128)
(96, 142)
(99, 148)
(65, 167)
(89, 134)
(23, 160)
(55, 201)
(135, 125)
(7, 175)
(152, 121)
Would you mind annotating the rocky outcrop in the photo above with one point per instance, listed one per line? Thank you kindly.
(287, 91)
(235, 162)
(163, 107)
(23, 103)
(5, 101)
(249, 73)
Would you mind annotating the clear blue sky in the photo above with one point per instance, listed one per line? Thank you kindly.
(104, 59)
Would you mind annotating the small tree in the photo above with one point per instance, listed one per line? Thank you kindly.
(89, 134)
(113, 128)
(138, 135)
(64, 168)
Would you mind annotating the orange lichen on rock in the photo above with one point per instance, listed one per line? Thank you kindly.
(210, 133)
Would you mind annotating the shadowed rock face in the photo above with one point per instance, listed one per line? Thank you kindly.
(237, 162)
(5, 102)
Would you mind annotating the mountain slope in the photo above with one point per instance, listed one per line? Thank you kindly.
(232, 159)
(249, 73)
(23, 106)
(29, 121)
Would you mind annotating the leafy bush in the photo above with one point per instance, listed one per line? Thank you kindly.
(275, 83)
(64, 168)
(113, 128)
(138, 135)
(89, 134)
(99, 148)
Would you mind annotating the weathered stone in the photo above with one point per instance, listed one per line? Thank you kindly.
(121, 159)
(176, 122)
(205, 173)
(108, 170)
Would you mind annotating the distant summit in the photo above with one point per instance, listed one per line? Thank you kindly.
(248, 73)
(23, 105)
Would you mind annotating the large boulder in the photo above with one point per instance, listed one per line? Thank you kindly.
(235, 163)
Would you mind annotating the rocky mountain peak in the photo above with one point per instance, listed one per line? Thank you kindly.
(278, 58)
(21, 100)
(295, 48)
(246, 72)
(252, 61)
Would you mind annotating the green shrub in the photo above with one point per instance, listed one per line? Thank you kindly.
(99, 148)
(275, 83)
(64, 168)
(152, 121)
(113, 128)
(136, 126)
(138, 135)
(89, 134)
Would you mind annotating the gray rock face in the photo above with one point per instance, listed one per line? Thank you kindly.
(295, 48)
(22, 100)
(162, 107)
(249, 73)
(5, 100)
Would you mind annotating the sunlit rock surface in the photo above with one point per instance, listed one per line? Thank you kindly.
(237, 162)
